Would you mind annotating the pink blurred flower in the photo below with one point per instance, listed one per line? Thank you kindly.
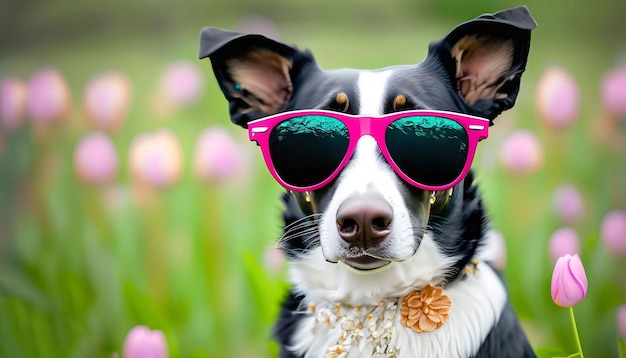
(521, 152)
(49, 97)
(621, 322)
(156, 159)
(12, 103)
(569, 281)
(258, 24)
(614, 91)
(141, 342)
(562, 242)
(274, 258)
(568, 203)
(106, 98)
(613, 232)
(96, 160)
(182, 84)
(557, 98)
(218, 156)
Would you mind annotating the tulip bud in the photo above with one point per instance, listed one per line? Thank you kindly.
(521, 152)
(156, 159)
(12, 103)
(182, 84)
(106, 99)
(557, 98)
(613, 232)
(569, 281)
(614, 91)
(141, 342)
(49, 97)
(217, 156)
(568, 203)
(96, 159)
(562, 242)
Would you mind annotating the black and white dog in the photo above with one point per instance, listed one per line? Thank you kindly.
(382, 267)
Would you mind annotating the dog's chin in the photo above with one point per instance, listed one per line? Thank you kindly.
(365, 263)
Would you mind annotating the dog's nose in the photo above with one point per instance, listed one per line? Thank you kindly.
(364, 219)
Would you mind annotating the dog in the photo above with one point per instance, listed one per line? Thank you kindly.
(389, 243)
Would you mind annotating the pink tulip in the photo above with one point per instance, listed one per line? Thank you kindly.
(562, 242)
(569, 281)
(274, 259)
(12, 103)
(49, 97)
(557, 98)
(96, 159)
(141, 342)
(218, 156)
(614, 91)
(182, 84)
(156, 159)
(106, 98)
(613, 232)
(521, 152)
(568, 203)
(621, 322)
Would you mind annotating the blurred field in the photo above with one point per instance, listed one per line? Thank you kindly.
(81, 264)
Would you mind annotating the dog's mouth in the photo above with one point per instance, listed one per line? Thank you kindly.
(365, 263)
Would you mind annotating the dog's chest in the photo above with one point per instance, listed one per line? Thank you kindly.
(335, 330)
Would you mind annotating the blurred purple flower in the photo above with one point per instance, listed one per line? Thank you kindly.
(557, 98)
(182, 84)
(621, 322)
(569, 281)
(613, 232)
(258, 24)
(96, 160)
(562, 242)
(49, 97)
(106, 98)
(568, 203)
(156, 159)
(141, 342)
(521, 152)
(614, 91)
(12, 103)
(218, 156)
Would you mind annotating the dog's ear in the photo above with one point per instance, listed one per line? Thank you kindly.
(253, 71)
(485, 58)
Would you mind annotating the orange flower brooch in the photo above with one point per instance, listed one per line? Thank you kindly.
(425, 310)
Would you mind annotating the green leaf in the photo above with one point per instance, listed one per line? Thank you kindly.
(622, 348)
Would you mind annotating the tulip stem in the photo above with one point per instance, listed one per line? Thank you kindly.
(580, 349)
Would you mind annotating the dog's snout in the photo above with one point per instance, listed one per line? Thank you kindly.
(364, 220)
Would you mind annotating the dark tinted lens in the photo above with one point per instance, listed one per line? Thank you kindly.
(430, 150)
(307, 150)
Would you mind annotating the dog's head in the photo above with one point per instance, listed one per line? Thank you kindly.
(368, 216)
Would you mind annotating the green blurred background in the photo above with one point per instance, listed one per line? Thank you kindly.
(77, 272)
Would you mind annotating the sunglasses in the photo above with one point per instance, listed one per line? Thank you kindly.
(431, 150)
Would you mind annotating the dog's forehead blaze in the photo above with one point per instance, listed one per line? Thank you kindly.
(264, 74)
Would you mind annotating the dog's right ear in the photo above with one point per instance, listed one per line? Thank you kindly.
(254, 72)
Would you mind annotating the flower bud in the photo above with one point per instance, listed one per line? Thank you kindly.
(12, 103)
(613, 232)
(569, 281)
(614, 91)
(49, 97)
(568, 203)
(156, 159)
(562, 242)
(557, 98)
(95, 159)
(217, 156)
(182, 84)
(106, 98)
(141, 342)
(521, 152)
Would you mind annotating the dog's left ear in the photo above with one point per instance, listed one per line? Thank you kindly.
(485, 58)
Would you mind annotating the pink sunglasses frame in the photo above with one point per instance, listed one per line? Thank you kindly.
(375, 126)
